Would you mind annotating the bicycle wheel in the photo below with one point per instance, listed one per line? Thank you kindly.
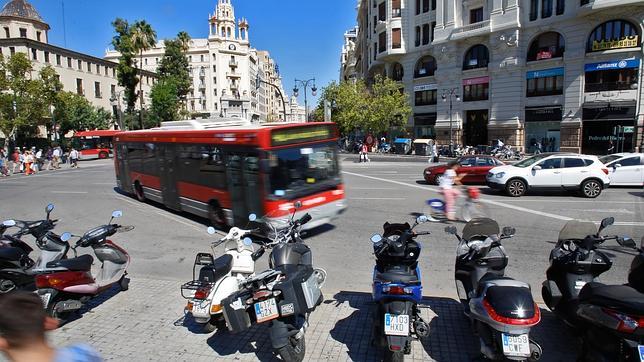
(473, 210)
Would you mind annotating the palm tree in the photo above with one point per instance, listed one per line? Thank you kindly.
(185, 39)
(143, 38)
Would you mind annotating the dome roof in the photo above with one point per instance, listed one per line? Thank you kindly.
(21, 9)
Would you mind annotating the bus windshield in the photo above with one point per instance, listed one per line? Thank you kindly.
(297, 171)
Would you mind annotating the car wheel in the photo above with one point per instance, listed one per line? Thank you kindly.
(437, 179)
(591, 189)
(515, 188)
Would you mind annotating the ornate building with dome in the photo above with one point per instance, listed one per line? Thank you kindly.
(22, 29)
(224, 69)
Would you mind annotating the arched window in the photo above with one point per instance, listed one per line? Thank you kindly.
(476, 57)
(545, 46)
(425, 67)
(397, 72)
(613, 34)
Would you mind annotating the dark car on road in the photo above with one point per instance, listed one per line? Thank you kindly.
(474, 167)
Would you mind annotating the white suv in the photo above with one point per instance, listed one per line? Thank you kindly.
(554, 171)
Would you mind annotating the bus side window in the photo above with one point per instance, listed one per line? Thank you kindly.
(149, 160)
(212, 170)
(135, 152)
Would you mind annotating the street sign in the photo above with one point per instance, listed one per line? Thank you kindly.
(629, 129)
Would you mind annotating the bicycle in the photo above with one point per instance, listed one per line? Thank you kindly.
(470, 208)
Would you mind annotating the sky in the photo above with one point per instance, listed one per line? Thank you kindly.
(305, 37)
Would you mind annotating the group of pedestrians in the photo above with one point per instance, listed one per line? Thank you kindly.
(31, 161)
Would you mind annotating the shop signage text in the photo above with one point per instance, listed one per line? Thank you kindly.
(613, 64)
(552, 72)
(477, 80)
(424, 87)
(624, 42)
(543, 114)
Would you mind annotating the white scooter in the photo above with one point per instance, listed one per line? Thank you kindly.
(219, 278)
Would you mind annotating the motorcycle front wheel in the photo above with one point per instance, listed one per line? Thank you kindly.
(294, 350)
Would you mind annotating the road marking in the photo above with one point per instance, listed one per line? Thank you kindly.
(372, 188)
(624, 223)
(69, 192)
(579, 201)
(105, 183)
(496, 203)
(377, 198)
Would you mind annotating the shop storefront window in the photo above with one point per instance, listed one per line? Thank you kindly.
(543, 129)
(611, 80)
(425, 97)
(546, 46)
(475, 92)
(546, 86)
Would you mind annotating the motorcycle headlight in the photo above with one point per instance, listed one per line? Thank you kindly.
(500, 175)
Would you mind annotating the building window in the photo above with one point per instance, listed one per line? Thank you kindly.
(375, 51)
(475, 92)
(382, 11)
(545, 86)
(113, 90)
(546, 8)
(546, 46)
(38, 35)
(425, 6)
(46, 57)
(611, 80)
(534, 9)
(97, 90)
(584, 2)
(382, 42)
(476, 57)
(12, 50)
(98, 69)
(431, 30)
(417, 7)
(69, 62)
(34, 54)
(426, 34)
(79, 87)
(80, 64)
(397, 72)
(395, 9)
(7, 34)
(113, 72)
(106, 70)
(425, 97)
(417, 40)
(396, 39)
(89, 67)
(476, 15)
(59, 60)
(561, 7)
(613, 34)
(433, 4)
(425, 67)
(375, 23)
(23, 32)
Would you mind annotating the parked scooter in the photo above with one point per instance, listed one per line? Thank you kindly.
(608, 318)
(66, 291)
(284, 295)
(397, 289)
(219, 278)
(501, 309)
(17, 268)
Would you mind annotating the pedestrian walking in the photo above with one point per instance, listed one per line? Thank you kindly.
(73, 158)
(15, 160)
(48, 159)
(4, 172)
(364, 153)
(57, 153)
(23, 323)
(537, 150)
(611, 148)
(450, 193)
(29, 160)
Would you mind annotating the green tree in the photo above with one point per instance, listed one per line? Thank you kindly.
(143, 38)
(75, 113)
(185, 39)
(165, 101)
(127, 72)
(174, 65)
(389, 106)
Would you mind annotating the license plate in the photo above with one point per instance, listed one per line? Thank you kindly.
(200, 308)
(396, 325)
(266, 310)
(641, 349)
(516, 345)
(45, 299)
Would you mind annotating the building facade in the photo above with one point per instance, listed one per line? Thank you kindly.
(22, 29)
(224, 70)
(564, 73)
(348, 56)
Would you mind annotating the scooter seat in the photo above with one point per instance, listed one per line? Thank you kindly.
(219, 268)
(398, 276)
(82, 263)
(621, 298)
(11, 254)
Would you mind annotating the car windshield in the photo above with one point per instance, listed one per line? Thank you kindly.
(295, 172)
(608, 159)
(530, 161)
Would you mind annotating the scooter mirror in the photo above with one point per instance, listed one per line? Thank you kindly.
(116, 214)
(9, 223)
(422, 219)
(509, 231)
(450, 230)
(627, 242)
(252, 217)
(65, 237)
(298, 204)
(49, 208)
(376, 238)
(211, 230)
(607, 222)
(248, 241)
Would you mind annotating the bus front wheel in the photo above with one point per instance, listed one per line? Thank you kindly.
(138, 192)
(216, 216)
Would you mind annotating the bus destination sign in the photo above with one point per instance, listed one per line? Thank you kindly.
(287, 136)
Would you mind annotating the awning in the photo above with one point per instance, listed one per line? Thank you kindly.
(604, 111)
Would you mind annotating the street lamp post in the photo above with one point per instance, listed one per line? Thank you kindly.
(305, 85)
(259, 80)
(116, 101)
(450, 94)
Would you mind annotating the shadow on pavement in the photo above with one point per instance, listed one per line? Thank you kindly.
(93, 303)
(256, 340)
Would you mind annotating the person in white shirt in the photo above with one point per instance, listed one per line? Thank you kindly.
(447, 183)
(56, 161)
(73, 158)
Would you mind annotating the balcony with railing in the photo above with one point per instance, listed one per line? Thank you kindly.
(233, 74)
(233, 63)
(482, 27)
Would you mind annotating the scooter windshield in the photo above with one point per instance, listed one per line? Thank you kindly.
(577, 230)
(483, 227)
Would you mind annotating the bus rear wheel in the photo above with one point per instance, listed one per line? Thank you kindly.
(102, 155)
(216, 216)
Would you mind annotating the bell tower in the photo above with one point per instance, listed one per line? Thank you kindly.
(226, 18)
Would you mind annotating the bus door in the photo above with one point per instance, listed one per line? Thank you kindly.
(244, 186)
(125, 183)
(168, 171)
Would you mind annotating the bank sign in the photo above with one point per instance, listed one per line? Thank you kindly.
(612, 65)
(552, 72)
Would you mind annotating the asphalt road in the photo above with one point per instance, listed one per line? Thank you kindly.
(164, 243)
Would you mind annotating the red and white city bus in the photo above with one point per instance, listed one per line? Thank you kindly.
(226, 170)
(94, 144)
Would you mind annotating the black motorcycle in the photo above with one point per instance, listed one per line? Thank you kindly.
(608, 318)
(283, 296)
